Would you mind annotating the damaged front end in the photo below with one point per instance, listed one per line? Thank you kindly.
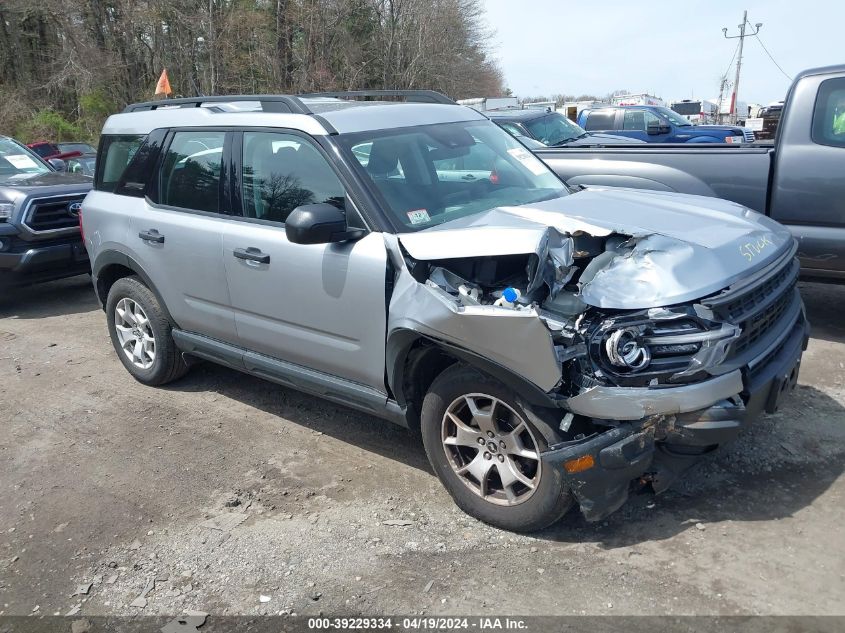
(643, 361)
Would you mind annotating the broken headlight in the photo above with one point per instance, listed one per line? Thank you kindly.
(636, 350)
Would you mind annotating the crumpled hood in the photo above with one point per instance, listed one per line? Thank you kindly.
(685, 247)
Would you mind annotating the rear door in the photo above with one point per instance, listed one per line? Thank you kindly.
(808, 193)
(321, 306)
(178, 236)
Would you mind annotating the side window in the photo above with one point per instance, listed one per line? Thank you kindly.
(190, 172)
(599, 120)
(634, 120)
(116, 152)
(639, 120)
(653, 119)
(282, 172)
(828, 126)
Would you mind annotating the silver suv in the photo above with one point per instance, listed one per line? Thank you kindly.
(414, 261)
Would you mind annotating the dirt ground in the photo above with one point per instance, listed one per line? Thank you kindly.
(230, 495)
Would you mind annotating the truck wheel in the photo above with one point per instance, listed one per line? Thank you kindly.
(486, 451)
(141, 335)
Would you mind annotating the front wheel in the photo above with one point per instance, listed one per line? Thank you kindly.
(486, 449)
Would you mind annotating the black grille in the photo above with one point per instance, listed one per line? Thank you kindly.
(759, 309)
(740, 309)
(760, 323)
(53, 213)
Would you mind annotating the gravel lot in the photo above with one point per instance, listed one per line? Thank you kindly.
(230, 495)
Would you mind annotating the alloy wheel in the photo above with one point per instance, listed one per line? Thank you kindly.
(134, 333)
(491, 448)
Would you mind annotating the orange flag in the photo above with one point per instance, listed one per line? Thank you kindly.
(163, 85)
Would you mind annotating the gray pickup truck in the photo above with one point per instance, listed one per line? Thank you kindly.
(797, 181)
(39, 219)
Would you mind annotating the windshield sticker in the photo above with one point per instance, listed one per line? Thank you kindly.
(21, 161)
(528, 160)
(418, 216)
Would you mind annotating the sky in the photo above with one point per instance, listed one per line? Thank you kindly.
(674, 50)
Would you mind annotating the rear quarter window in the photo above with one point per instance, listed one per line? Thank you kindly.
(114, 156)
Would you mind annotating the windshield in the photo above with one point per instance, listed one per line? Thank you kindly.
(16, 160)
(430, 174)
(554, 129)
(674, 117)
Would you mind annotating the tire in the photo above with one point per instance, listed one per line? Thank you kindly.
(452, 448)
(158, 361)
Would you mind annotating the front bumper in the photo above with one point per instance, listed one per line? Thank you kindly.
(671, 428)
(31, 262)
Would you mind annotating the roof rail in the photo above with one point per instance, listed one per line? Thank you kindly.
(417, 96)
(269, 103)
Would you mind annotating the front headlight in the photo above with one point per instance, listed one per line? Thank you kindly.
(641, 349)
(6, 209)
(625, 349)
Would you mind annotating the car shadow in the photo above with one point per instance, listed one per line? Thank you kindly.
(73, 295)
(772, 471)
(342, 423)
(825, 304)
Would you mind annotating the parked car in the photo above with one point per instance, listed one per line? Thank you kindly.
(84, 164)
(551, 128)
(796, 181)
(551, 347)
(39, 218)
(49, 151)
(657, 124)
(77, 146)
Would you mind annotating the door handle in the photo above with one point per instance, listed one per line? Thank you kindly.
(252, 254)
(468, 177)
(151, 236)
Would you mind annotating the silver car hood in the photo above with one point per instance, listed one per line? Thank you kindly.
(684, 247)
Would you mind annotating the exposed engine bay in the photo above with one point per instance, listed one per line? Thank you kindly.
(559, 285)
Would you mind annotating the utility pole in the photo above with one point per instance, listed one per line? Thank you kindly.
(741, 36)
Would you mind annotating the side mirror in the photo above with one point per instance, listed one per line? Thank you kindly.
(321, 223)
(655, 128)
(58, 164)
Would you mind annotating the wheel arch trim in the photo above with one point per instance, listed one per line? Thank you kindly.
(400, 343)
(114, 257)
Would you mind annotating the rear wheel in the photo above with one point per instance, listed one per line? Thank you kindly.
(485, 448)
(141, 333)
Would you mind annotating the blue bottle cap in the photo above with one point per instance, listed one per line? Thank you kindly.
(510, 294)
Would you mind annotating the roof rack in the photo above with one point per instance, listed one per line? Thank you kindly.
(290, 103)
(269, 103)
(416, 96)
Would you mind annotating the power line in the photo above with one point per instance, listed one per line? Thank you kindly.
(785, 74)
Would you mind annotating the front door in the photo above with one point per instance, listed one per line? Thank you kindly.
(321, 306)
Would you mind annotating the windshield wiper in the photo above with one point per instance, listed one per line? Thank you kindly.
(567, 140)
